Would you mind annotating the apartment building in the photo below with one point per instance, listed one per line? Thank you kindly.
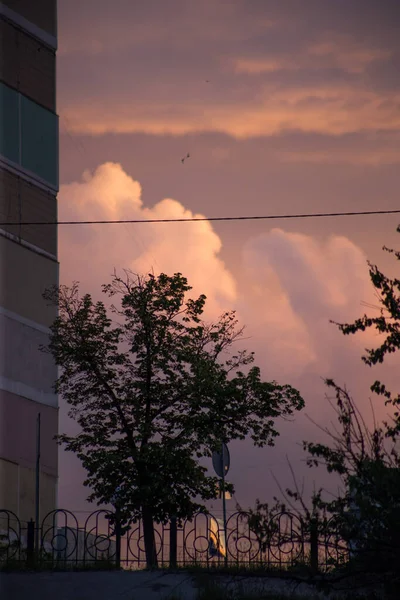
(28, 253)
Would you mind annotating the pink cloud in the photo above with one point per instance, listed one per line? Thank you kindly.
(292, 285)
(286, 290)
(327, 51)
(110, 194)
(334, 109)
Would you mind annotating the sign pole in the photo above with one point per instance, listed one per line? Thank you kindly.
(221, 463)
(224, 504)
(37, 515)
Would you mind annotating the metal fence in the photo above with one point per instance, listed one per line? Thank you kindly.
(64, 541)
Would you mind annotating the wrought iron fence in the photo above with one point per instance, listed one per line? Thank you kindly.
(65, 542)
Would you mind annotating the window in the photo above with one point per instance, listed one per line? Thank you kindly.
(9, 123)
(29, 135)
(39, 140)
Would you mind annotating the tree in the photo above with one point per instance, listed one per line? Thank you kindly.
(374, 489)
(368, 511)
(387, 323)
(363, 519)
(154, 393)
(365, 516)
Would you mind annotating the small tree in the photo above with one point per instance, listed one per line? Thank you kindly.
(156, 393)
(368, 510)
(362, 523)
(365, 516)
(388, 324)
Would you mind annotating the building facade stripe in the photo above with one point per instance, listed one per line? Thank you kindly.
(40, 34)
(28, 245)
(27, 175)
(24, 321)
(26, 391)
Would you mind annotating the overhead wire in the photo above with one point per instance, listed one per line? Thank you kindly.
(225, 218)
(79, 144)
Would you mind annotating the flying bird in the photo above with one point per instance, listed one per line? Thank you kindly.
(185, 157)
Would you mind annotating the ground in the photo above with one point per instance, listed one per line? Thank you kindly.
(137, 585)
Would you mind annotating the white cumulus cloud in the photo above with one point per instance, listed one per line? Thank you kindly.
(292, 285)
(298, 285)
(289, 287)
(89, 253)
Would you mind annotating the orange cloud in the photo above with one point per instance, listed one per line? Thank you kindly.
(359, 157)
(326, 109)
(338, 52)
(343, 53)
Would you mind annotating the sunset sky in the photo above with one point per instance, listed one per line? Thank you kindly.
(284, 107)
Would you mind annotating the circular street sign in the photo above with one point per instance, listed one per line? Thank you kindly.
(221, 461)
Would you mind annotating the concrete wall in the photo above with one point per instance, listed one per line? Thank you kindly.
(22, 362)
(24, 276)
(28, 264)
(19, 493)
(18, 432)
(18, 456)
(26, 379)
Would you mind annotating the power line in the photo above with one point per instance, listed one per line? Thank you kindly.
(193, 219)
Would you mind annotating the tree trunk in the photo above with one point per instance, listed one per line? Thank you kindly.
(149, 539)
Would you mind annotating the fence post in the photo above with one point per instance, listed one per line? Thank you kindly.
(314, 546)
(118, 540)
(30, 543)
(173, 543)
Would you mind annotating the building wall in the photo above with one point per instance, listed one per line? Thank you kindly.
(19, 493)
(29, 138)
(19, 439)
(28, 253)
(27, 64)
(26, 274)
(35, 380)
(18, 451)
(42, 13)
(21, 200)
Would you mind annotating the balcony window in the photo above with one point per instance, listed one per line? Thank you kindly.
(9, 123)
(29, 135)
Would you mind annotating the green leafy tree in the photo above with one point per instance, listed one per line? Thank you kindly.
(387, 324)
(361, 524)
(367, 512)
(364, 518)
(155, 392)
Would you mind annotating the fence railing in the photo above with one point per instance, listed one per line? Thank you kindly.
(65, 541)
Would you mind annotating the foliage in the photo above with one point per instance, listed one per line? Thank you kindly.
(8, 547)
(374, 485)
(261, 522)
(387, 324)
(368, 511)
(155, 393)
(365, 516)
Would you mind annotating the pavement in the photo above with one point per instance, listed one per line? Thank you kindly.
(139, 585)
